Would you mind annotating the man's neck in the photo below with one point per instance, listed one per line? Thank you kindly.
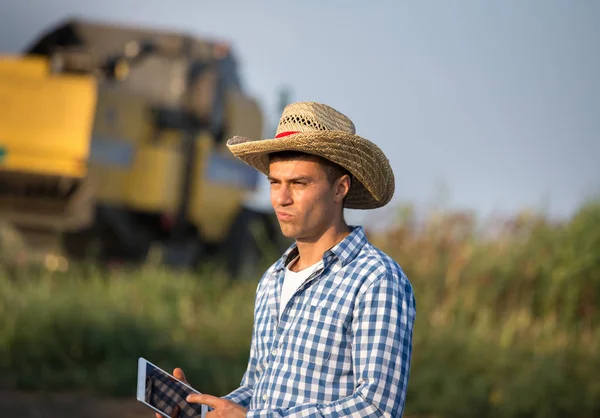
(311, 251)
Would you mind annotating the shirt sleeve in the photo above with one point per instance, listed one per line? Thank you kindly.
(243, 394)
(382, 328)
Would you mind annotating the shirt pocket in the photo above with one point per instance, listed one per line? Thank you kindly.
(316, 336)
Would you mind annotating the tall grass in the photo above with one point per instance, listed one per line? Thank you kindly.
(86, 330)
(507, 324)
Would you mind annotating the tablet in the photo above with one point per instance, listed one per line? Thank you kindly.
(162, 392)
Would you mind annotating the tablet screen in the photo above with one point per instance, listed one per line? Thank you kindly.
(164, 393)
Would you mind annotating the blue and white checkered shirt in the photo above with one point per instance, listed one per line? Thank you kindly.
(344, 342)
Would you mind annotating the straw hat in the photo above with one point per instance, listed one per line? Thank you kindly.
(319, 129)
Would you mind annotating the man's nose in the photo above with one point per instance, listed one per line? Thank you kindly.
(283, 197)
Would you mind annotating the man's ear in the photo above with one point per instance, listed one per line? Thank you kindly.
(342, 187)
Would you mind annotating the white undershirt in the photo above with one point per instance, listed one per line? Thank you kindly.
(293, 280)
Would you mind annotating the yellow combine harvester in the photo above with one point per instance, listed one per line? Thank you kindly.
(112, 143)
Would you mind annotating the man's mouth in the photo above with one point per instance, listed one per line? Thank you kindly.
(284, 216)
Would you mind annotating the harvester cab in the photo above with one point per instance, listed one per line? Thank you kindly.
(114, 143)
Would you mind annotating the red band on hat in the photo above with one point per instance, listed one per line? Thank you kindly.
(286, 133)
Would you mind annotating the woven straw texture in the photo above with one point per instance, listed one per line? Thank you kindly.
(326, 132)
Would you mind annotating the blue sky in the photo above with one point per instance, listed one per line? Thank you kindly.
(497, 104)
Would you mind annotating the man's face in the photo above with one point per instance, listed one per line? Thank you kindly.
(303, 198)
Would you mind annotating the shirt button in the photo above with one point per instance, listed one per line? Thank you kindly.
(274, 352)
(264, 397)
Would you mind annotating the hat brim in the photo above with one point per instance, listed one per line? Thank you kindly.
(373, 183)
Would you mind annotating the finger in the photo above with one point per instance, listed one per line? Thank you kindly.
(212, 401)
(175, 413)
(178, 373)
(157, 415)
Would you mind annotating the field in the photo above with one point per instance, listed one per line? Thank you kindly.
(507, 326)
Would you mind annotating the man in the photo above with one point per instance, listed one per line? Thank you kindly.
(333, 318)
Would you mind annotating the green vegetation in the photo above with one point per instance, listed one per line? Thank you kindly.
(508, 325)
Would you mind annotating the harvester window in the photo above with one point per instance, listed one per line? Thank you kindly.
(162, 80)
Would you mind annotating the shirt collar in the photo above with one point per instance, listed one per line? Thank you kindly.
(344, 251)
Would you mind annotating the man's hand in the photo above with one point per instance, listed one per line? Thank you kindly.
(222, 407)
(178, 374)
